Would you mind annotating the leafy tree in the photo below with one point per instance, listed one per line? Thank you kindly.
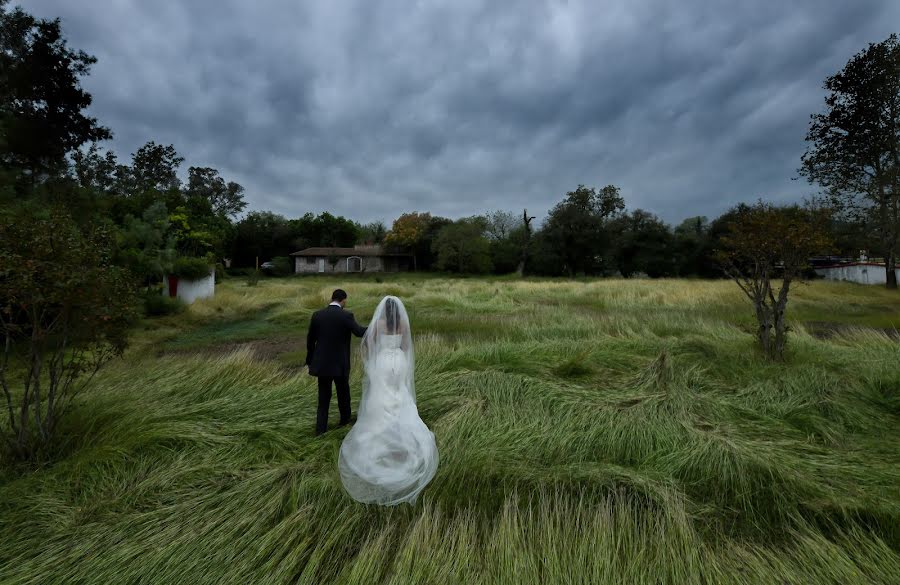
(42, 102)
(155, 167)
(408, 231)
(64, 312)
(576, 227)
(96, 171)
(765, 243)
(225, 199)
(324, 230)
(692, 247)
(263, 235)
(145, 246)
(643, 243)
(854, 151)
(372, 233)
(462, 247)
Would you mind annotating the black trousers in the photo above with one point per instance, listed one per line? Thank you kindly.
(342, 384)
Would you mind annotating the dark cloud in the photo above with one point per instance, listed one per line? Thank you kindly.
(369, 109)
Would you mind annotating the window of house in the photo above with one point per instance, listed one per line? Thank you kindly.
(354, 264)
(310, 260)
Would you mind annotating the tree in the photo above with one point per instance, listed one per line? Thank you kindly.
(96, 171)
(41, 100)
(264, 235)
(145, 246)
(324, 230)
(765, 243)
(64, 312)
(408, 231)
(525, 242)
(462, 247)
(225, 199)
(854, 152)
(644, 244)
(575, 228)
(692, 247)
(372, 233)
(155, 167)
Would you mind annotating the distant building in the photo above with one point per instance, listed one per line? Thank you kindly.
(356, 259)
(859, 272)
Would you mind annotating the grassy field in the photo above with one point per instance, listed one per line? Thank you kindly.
(602, 431)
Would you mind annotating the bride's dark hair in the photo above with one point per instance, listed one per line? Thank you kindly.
(391, 316)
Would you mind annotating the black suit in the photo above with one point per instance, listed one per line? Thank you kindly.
(328, 358)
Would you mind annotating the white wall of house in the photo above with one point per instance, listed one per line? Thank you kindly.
(862, 273)
(191, 290)
(312, 264)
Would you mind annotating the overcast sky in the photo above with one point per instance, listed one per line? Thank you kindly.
(372, 108)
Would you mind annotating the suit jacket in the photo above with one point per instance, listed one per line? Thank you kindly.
(328, 342)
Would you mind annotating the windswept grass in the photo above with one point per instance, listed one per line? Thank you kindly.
(590, 432)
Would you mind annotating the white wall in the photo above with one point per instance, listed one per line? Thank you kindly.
(859, 273)
(191, 290)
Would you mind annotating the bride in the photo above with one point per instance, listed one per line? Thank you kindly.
(389, 455)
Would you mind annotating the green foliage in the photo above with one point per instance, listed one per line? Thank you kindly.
(190, 268)
(766, 242)
(641, 243)
(461, 247)
(853, 145)
(64, 312)
(159, 305)
(283, 266)
(225, 199)
(373, 233)
(41, 100)
(576, 231)
(145, 247)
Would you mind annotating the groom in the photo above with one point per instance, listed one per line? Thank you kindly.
(328, 356)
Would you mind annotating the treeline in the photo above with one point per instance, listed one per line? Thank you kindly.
(588, 233)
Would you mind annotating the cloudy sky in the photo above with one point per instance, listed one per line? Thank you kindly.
(371, 108)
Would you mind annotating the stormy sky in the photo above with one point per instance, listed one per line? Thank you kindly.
(372, 108)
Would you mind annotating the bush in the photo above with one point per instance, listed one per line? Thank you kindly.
(191, 268)
(158, 305)
(282, 266)
(64, 312)
(253, 278)
(220, 273)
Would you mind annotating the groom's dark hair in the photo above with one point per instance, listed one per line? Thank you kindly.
(338, 295)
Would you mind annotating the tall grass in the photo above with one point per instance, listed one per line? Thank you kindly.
(590, 432)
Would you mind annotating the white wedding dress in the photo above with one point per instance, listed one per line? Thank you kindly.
(389, 455)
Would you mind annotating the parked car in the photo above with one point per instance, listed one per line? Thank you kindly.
(267, 267)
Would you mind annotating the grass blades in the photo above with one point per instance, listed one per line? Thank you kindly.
(594, 432)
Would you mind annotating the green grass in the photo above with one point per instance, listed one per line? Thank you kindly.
(590, 432)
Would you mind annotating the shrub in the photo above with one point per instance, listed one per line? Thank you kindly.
(158, 305)
(191, 268)
(282, 266)
(64, 312)
(253, 278)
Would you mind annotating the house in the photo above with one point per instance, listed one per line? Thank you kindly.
(860, 272)
(356, 259)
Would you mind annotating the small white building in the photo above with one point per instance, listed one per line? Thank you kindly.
(189, 290)
(356, 259)
(859, 272)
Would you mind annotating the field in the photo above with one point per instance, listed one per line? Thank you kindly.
(602, 431)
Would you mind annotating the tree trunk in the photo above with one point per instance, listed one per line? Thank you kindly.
(763, 332)
(890, 267)
(780, 309)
